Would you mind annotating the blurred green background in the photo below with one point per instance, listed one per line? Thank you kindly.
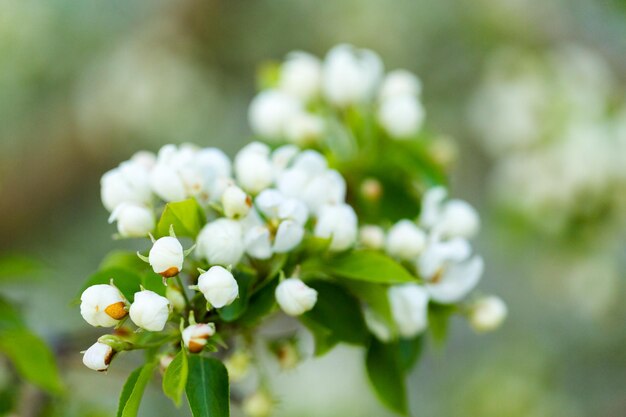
(85, 84)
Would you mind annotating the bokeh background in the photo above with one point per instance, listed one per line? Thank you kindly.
(85, 84)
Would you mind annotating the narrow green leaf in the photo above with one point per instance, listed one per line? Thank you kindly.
(175, 377)
(187, 217)
(126, 280)
(233, 311)
(385, 374)
(130, 398)
(207, 387)
(31, 358)
(370, 266)
(339, 312)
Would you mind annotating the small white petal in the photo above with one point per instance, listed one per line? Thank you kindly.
(98, 357)
(294, 297)
(409, 307)
(218, 286)
(150, 311)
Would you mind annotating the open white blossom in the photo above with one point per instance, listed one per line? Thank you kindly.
(295, 297)
(218, 286)
(167, 256)
(128, 183)
(448, 218)
(221, 242)
(102, 305)
(150, 311)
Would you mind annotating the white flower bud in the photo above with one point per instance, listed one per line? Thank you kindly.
(294, 297)
(102, 305)
(304, 129)
(133, 220)
(400, 82)
(221, 242)
(301, 75)
(196, 336)
(405, 240)
(258, 404)
(167, 256)
(253, 168)
(487, 314)
(338, 223)
(270, 112)
(282, 157)
(218, 286)
(372, 237)
(150, 311)
(350, 75)
(401, 116)
(98, 357)
(128, 183)
(236, 203)
(458, 219)
(409, 308)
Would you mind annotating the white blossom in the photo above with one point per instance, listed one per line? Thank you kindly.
(294, 297)
(253, 168)
(401, 116)
(449, 269)
(487, 313)
(405, 240)
(400, 82)
(128, 183)
(448, 219)
(304, 128)
(372, 237)
(221, 242)
(166, 256)
(102, 305)
(301, 75)
(98, 357)
(270, 111)
(218, 286)
(195, 336)
(236, 202)
(338, 223)
(133, 220)
(150, 311)
(409, 308)
(350, 75)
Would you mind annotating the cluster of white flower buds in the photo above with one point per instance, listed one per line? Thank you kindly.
(437, 248)
(346, 77)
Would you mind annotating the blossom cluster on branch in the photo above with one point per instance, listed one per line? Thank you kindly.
(315, 233)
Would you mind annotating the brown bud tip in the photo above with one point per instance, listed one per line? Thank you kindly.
(170, 272)
(249, 201)
(116, 311)
(195, 347)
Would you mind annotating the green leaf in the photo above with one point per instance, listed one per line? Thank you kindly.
(260, 304)
(153, 282)
(187, 217)
(438, 320)
(339, 312)
(125, 260)
(324, 339)
(175, 377)
(31, 358)
(385, 373)
(374, 296)
(233, 311)
(127, 281)
(409, 351)
(135, 385)
(16, 266)
(10, 318)
(207, 387)
(370, 266)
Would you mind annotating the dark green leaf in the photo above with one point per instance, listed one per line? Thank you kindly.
(175, 377)
(370, 266)
(260, 304)
(207, 387)
(438, 320)
(31, 358)
(409, 351)
(126, 280)
(233, 311)
(339, 312)
(374, 296)
(135, 385)
(187, 217)
(385, 374)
